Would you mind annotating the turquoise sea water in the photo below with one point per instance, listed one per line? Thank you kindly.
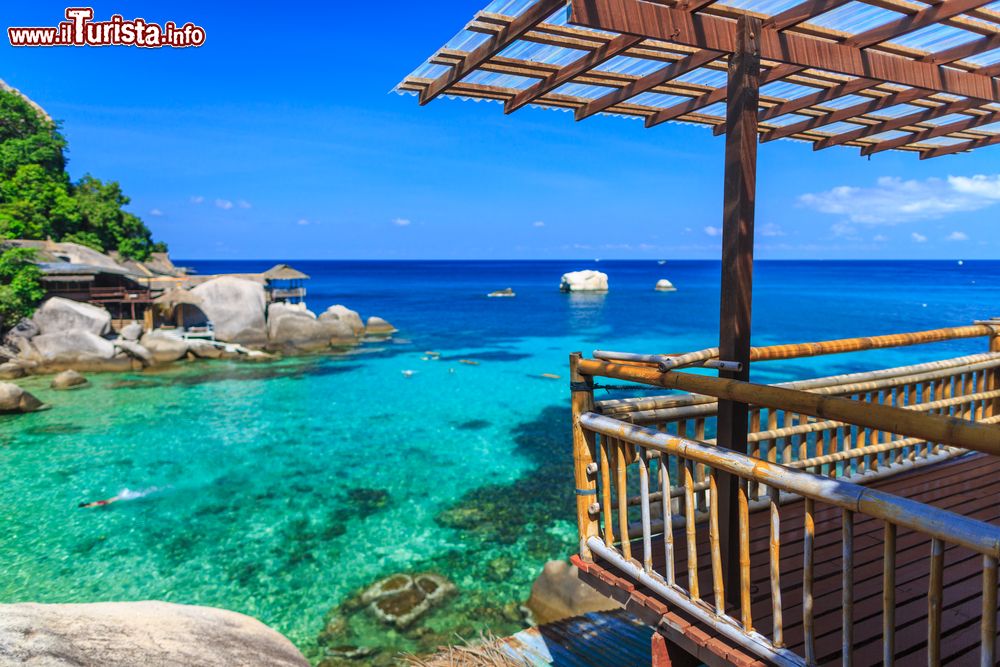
(278, 490)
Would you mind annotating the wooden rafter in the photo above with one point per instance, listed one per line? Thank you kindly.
(934, 132)
(961, 148)
(522, 24)
(599, 55)
(896, 123)
(885, 102)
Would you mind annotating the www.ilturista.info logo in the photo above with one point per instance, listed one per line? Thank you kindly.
(81, 30)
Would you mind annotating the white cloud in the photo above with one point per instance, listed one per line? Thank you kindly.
(958, 236)
(303, 222)
(156, 213)
(243, 203)
(918, 238)
(843, 230)
(402, 222)
(894, 200)
(224, 204)
(713, 231)
(539, 224)
(772, 230)
(197, 199)
(880, 238)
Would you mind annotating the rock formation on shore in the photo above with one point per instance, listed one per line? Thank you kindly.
(236, 308)
(126, 634)
(14, 400)
(584, 281)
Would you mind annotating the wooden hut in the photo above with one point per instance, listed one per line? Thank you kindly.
(284, 283)
(847, 519)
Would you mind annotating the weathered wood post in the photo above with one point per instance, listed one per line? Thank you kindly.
(993, 379)
(737, 270)
(584, 455)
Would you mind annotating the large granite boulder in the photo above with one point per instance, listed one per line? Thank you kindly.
(131, 332)
(584, 281)
(58, 315)
(126, 634)
(344, 314)
(71, 346)
(558, 593)
(69, 380)
(236, 308)
(135, 351)
(12, 370)
(19, 337)
(13, 399)
(163, 347)
(294, 328)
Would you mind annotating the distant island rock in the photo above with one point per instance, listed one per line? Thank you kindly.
(503, 293)
(665, 286)
(584, 281)
(123, 634)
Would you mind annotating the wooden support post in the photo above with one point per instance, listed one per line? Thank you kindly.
(584, 455)
(993, 379)
(737, 269)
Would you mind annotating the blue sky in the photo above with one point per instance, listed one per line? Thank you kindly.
(279, 138)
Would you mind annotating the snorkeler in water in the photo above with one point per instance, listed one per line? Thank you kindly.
(126, 494)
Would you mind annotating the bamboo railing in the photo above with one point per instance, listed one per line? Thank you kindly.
(808, 440)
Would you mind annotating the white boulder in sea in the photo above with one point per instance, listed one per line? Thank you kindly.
(163, 347)
(294, 328)
(69, 380)
(13, 399)
(503, 293)
(236, 308)
(125, 634)
(665, 286)
(58, 315)
(376, 326)
(347, 316)
(584, 281)
(558, 593)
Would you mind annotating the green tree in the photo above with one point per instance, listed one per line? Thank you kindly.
(36, 204)
(20, 285)
(102, 213)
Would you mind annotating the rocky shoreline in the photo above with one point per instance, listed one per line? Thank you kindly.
(72, 336)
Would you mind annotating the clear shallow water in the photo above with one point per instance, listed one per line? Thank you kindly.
(280, 489)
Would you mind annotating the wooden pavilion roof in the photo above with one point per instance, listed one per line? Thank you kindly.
(876, 74)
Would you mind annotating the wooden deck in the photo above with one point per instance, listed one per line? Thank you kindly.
(969, 485)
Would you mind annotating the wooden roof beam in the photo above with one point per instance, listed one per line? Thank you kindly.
(846, 113)
(932, 133)
(896, 123)
(960, 148)
(492, 46)
(600, 55)
(860, 41)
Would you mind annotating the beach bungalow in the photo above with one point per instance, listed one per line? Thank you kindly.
(848, 519)
(283, 283)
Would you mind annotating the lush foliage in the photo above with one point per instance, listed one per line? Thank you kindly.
(39, 201)
(20, 287)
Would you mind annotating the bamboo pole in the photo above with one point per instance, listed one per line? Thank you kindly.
(932, 428)
(584, 455)
(994, 375)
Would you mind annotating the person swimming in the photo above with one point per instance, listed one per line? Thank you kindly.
(126, 494)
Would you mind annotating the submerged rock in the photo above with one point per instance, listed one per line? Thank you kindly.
(665, 286)
(376, 326)
(558, 593)
(584, 281)
(236, 308)
(400, 600)
(124, 634)
(15, 400)
(58, 315)
(69, 380)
